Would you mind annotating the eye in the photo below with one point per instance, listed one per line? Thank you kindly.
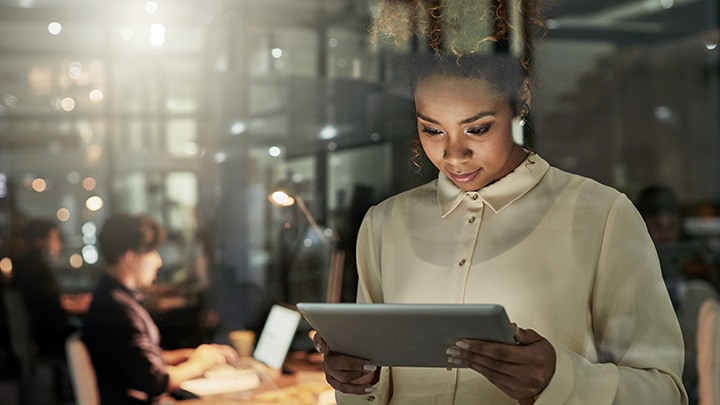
(431, 131)
(481, 130)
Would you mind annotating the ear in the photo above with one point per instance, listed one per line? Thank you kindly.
(525, 95)
(128, 258)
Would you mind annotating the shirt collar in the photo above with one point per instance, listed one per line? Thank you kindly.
(499, 194)
(111, 283)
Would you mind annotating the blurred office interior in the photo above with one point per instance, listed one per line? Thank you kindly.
(195, 111)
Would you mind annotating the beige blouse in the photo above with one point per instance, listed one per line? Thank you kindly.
(566, 256)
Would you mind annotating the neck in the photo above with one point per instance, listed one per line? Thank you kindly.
(123, 277)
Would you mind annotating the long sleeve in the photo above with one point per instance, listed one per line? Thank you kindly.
(566, 256)
(639, 342)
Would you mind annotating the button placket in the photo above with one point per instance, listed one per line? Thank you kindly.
(474, 211)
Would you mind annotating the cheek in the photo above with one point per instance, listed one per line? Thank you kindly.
(433, 150)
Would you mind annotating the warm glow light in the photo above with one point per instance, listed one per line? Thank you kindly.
(93, 153)
(157, 35)
(96, 96)
(54, 28)
(281, 198)
(88, 183)
(76, 261)
(94, 203)
(67, 104)
(274, 151)
(6, 266)
(63, 214)
(39, 185)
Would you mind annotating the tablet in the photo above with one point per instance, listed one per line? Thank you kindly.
(407, 335)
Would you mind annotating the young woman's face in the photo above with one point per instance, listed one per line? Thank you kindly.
(465, 129)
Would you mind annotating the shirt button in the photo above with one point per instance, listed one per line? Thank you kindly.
(472, 220)
(371, 398)
(474, 196)
(462, 262)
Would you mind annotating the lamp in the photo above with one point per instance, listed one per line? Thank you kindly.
(283, 199)
(337, 257)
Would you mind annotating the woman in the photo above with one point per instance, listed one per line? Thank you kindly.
(569, 258)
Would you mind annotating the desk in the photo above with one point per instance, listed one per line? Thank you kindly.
(305, 385)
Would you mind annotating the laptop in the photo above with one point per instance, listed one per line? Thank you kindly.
(276, 336)
(270, 351)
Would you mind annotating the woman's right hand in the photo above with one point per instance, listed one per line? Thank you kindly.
(347, 374)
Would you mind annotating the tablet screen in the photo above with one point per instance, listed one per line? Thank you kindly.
(413, 335)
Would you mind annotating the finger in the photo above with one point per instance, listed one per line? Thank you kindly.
(319, 343)
(499, 352)
(354, 387)
(346, 370)
(527, 336)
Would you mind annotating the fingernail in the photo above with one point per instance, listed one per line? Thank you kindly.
(369, 367)
(452, 352)
(462, 345)
(319, 347)
(368, 390)
(454, 360)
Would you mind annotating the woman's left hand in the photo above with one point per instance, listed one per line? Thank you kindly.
(522, 371)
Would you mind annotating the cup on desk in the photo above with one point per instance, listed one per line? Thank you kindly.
(243, 341)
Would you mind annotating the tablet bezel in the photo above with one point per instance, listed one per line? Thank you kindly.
(398, 334)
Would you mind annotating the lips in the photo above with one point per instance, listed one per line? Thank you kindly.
(463, 177)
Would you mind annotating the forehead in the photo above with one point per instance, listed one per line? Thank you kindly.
(452, 91)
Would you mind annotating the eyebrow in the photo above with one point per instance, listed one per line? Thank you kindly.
(464, 121)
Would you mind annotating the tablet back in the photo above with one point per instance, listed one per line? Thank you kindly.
(415, 335)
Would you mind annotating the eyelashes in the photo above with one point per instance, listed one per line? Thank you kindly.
(481, 130)
(478, 130)
(431, 131)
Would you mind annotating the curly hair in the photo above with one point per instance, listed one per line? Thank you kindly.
(487, 40)
(462, 27)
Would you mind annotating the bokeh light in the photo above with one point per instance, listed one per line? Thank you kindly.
(38, 185)
(94, 203)
(63, 214)
(76, 260)
(89, 184)
(54, 28)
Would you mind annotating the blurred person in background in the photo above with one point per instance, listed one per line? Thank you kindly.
(34, 276)
(122, 338)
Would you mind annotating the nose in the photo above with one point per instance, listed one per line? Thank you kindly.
(456, 150)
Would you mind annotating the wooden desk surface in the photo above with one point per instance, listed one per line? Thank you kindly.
(304, 385)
